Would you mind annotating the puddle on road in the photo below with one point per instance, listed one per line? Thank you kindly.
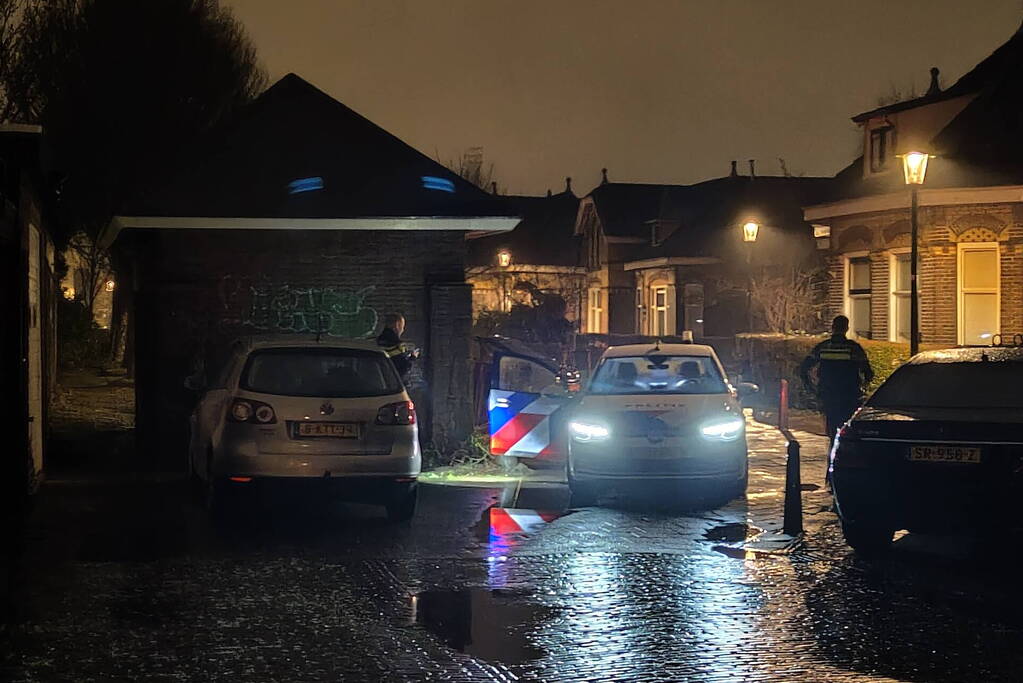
(741, 553)
(490, 625)
(732, 533)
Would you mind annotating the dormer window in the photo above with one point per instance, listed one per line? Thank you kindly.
(882, 148)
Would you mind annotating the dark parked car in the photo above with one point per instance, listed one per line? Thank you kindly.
(938, 448)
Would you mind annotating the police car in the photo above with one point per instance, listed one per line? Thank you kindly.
(661, 413)
(652, 412)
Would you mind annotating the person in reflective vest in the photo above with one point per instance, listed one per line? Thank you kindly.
(843, 372)
(390, 340)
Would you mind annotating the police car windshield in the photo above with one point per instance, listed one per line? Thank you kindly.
(657, 374)
(952, 385)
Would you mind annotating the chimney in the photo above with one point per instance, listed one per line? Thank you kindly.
(752, 168)
(603, 173)
(734, 172)
(493, 187)
(568, 185)
(935, 88)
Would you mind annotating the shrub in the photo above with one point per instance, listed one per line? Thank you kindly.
(80, 341)
(773, 357)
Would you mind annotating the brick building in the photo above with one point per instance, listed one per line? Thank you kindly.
(300, 217)
(970, 218)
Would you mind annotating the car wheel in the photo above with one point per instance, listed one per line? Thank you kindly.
(403, 504)
(867, 539)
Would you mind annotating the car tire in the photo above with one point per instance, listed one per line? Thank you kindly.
(402, 506)
(868, 539)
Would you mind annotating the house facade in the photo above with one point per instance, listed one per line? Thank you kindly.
(664, 259)
(970, 216)
(301, 217)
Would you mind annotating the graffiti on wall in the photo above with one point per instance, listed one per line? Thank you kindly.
(304, 310)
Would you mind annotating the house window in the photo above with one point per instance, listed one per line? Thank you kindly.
(900, 302)
(595, 319)
(979, 273)
(858, 296)
(882, 148)
(660, 311)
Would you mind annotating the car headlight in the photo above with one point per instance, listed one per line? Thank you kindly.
(724, 430)
(588, 431)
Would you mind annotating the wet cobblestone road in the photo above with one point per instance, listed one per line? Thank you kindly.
(131, 582)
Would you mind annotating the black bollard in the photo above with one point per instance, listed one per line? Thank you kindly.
(793, 525)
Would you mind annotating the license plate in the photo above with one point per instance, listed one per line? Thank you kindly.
(944, 454)
(340, 430)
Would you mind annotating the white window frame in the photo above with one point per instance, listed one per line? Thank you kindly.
(847, 299)
(656, 310)
(894, 294)
(997, 291)
(595, 310)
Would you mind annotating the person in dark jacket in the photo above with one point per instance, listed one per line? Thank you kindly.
(842, 373)
(390, 340)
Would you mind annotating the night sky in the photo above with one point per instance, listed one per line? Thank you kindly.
(656, 91)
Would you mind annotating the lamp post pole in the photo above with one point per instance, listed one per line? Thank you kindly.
(914, 296)
(749, 287)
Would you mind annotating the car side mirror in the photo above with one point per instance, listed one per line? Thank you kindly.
(745, 390)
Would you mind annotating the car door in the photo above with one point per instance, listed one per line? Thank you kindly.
(526, 409)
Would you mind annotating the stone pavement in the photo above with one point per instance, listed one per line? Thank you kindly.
(132, 582)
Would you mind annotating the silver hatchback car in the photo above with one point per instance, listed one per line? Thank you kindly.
(291, 408)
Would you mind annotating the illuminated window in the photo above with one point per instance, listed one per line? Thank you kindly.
(979, 293)
(660, 311)
(858, 296)
(109, 286)
(900, 303)
(595, 317)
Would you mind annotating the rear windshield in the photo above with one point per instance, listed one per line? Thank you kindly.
(330, 373)
(657, 374)
(952, 385)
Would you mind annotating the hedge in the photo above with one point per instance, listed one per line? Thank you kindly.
(769, 358)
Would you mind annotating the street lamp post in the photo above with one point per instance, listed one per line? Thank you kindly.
(749, 236)
(914, 168)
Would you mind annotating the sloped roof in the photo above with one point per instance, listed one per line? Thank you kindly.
(991, 68)
(625, 209)
(294, 131)
(713, 209)
(982, 146)
(544, 237)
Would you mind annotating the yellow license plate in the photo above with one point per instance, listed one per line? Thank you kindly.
(968, 454)
(341, 430)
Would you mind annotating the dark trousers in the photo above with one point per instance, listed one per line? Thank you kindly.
(836, 414)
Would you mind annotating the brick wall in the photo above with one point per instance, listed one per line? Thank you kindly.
(198, 290)
(941, 230)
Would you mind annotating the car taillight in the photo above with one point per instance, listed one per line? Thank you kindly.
(255, 412)
(401, 413)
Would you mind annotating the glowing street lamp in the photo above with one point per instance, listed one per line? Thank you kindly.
(914, 167)
(504, 258)
(914, 170)
(750, 231)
